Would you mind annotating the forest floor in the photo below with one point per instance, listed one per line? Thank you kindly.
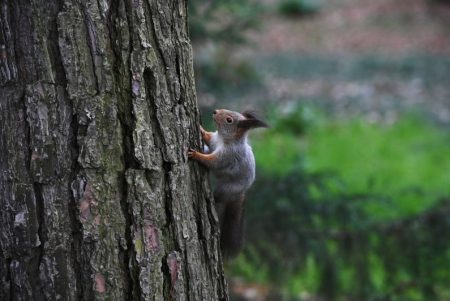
(391, 27)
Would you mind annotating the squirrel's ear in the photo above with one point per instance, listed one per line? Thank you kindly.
(252, 121)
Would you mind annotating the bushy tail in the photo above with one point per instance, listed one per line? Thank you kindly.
(231, 216)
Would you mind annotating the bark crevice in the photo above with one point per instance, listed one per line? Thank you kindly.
(75, 225)
(127, 122)
(91, 41)
(151, 92)
(127, 250)
(39, 250)
(7, 47)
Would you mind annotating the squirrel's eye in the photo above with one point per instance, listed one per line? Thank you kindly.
(229, 119)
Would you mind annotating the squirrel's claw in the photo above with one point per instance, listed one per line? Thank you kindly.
(191, 153)
(206, 136)
(202, 130)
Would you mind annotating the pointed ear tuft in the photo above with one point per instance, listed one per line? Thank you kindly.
(249, 114)
(252, 121)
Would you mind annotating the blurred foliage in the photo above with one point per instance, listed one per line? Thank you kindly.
(296, 120)
(221, 74)
(345, 210)
(429, 69)
(222, 21)
(299, 7)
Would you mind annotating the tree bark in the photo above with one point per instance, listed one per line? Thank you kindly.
(97, 197)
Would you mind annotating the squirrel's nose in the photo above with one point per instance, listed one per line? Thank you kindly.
(215, 112)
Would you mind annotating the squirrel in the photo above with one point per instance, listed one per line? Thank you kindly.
(231, 160)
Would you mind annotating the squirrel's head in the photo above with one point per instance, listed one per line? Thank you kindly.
(234, 125)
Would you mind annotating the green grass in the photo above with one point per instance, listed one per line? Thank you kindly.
(403, 168)
(407, 163)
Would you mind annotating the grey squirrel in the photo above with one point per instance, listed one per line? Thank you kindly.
(231, 160)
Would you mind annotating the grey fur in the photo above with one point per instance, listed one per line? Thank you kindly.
(234, 168)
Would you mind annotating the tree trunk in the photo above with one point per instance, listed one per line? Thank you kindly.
(97, 111)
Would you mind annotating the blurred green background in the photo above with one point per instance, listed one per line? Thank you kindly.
(352, 196)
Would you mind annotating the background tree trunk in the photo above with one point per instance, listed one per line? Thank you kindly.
(97, 110)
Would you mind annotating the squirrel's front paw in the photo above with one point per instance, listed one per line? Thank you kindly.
(191, 153)
(206, 136)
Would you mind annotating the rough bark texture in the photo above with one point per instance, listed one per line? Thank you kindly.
(97, 197)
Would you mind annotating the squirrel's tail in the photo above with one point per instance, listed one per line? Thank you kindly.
(232, 226)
